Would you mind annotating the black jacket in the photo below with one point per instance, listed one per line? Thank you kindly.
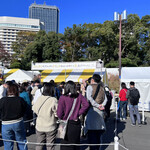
(12, 108)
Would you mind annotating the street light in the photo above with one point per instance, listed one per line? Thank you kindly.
(119, 18)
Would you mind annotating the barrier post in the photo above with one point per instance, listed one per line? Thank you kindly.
(116, 110)
(143, 116)
(116, 145)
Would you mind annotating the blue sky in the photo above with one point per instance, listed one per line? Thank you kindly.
(78, 11)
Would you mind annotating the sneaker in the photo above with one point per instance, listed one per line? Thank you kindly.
(139, 124)
(132, 124)
(124, 119)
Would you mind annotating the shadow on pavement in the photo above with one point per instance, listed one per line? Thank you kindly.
(111, 124)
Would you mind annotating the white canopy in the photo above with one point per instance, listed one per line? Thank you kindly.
(20, 76)
(141, 77)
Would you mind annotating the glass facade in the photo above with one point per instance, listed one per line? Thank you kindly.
(48, 15)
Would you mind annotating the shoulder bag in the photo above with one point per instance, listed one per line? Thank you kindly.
(42, 105)
(63, 123)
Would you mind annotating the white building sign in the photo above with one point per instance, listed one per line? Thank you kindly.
(66, 65)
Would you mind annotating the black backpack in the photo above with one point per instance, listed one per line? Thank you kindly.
(108, 95)
(134, 96)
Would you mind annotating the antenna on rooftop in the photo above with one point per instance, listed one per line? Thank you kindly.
(44, 3)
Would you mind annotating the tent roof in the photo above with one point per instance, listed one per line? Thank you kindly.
(20, 76)
(136, 74)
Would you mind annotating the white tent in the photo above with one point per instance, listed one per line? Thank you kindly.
(20, 76)
(141, 77)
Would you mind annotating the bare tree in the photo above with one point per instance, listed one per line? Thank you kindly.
(4, 55)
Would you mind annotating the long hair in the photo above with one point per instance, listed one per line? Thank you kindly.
(70, 89)
(49, 89)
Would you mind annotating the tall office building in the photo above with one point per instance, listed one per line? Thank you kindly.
(9, 26)
(48, 15)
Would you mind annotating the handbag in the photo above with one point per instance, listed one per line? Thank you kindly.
(61, 132)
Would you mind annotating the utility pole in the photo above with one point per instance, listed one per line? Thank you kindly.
(119, 18)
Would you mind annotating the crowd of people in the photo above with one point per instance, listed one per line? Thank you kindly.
(42, 105)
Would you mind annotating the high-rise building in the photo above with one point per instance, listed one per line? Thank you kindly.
(9, 26)
(48, 15)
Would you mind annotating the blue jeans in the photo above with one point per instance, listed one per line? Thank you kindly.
(134, 110)
(16, 132)
(123, 105)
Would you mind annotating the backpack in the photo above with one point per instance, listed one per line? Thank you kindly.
(134, 96)
(98, 93)
(109, 96)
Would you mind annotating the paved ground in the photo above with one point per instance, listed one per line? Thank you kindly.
(133, 138)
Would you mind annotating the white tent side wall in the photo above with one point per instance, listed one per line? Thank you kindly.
(141, 77)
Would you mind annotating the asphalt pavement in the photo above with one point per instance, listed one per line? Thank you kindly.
(130, 138)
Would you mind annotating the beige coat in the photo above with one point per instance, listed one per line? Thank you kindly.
(46, 117)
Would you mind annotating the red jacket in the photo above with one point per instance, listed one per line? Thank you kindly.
(122, 95)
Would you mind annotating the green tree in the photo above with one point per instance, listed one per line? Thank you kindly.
(52, 48)
(15, 64)
(91, 41)
(73, 38)
(34, 50)
(146, 42)
(22, 40)
(134, 37)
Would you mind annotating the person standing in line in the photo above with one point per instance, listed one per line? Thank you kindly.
(94, 121)
(109, 96)
(3, 93)
(133, 97)
(61, 87)
(29, 89)
(28, 115)
(65, 104)
(37, 86)
(123, 101)
(12, 110)
(36, 89)
(57, 91)
(3, 88)
(46, 122)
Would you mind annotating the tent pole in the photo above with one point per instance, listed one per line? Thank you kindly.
(105, 77)
(65, 75)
